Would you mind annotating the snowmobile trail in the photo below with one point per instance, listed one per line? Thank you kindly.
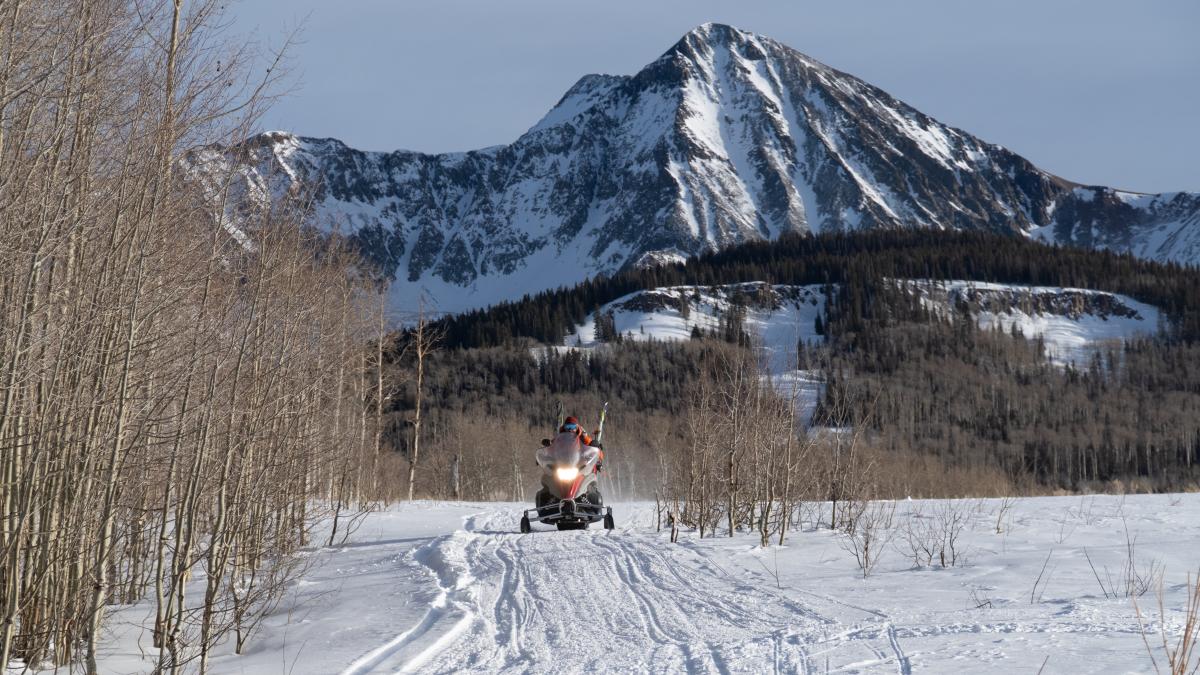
(619, 601)
(440, 587)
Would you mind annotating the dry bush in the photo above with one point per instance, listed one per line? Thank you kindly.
(1003, 519)
(952, 518)
(1134, 578)
(934, 534)
(921, 539)
(1042, 580)
(1182, 657)
(873, 529)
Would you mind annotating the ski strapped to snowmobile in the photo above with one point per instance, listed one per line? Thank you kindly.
(570, 496)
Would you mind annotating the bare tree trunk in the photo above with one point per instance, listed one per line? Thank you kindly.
(425, 342)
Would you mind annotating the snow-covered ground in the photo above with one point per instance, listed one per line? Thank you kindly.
(451, 587)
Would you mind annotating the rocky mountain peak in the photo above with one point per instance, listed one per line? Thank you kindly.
(727, 137)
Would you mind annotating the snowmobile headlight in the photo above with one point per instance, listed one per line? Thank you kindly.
(566, 473)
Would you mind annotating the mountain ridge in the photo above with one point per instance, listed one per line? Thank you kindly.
(727, 137)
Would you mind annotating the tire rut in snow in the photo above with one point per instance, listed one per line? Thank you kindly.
(613, 601)
(447, 616)
(596, 600)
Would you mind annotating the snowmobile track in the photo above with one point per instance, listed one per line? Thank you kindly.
(612, 601)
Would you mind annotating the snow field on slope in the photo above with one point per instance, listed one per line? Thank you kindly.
(778, 330)
(434, 587)
(1068, 340)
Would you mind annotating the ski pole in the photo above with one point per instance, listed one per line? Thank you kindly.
(603, 416)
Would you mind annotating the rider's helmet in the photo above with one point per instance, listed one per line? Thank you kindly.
(570, 424)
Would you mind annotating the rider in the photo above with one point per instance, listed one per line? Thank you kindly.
(571, 426)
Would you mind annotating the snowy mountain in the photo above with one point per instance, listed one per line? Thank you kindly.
(727, 137)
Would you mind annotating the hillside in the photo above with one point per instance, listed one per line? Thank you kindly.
(550, 317)
(1072, 323)
(1042, 367)
(1072, 326)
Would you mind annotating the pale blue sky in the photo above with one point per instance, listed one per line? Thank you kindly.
(1097, 91)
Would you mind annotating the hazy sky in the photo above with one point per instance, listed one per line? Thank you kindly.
(1097, 91)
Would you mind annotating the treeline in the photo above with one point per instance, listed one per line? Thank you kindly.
(936, 395)
(177, 406)
(843, 258)
(645, 375)
(487, 408)
(940, 385)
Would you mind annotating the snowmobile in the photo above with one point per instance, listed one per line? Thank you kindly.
(570, 496)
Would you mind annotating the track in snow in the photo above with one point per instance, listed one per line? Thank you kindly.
(620, 601)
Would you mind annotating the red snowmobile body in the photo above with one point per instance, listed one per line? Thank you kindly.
(570, 496)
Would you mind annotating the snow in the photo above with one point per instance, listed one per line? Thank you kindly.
(451, 587)
(676, 171)
(1163, 227)
(671, 256)
(853, 169)
(587, 93)
(567, 265)
(1069, 339)
(779, 328)
(1084, 194)
(1174, 239)
(776, 330)
(708, 124)
(803, 387)
(930, 137)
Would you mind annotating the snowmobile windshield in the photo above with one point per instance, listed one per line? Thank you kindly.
(564, 450)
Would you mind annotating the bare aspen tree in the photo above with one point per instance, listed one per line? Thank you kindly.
(735, 376)
(166, 364)
(380, 397)
(745, 455)
(424, 341)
